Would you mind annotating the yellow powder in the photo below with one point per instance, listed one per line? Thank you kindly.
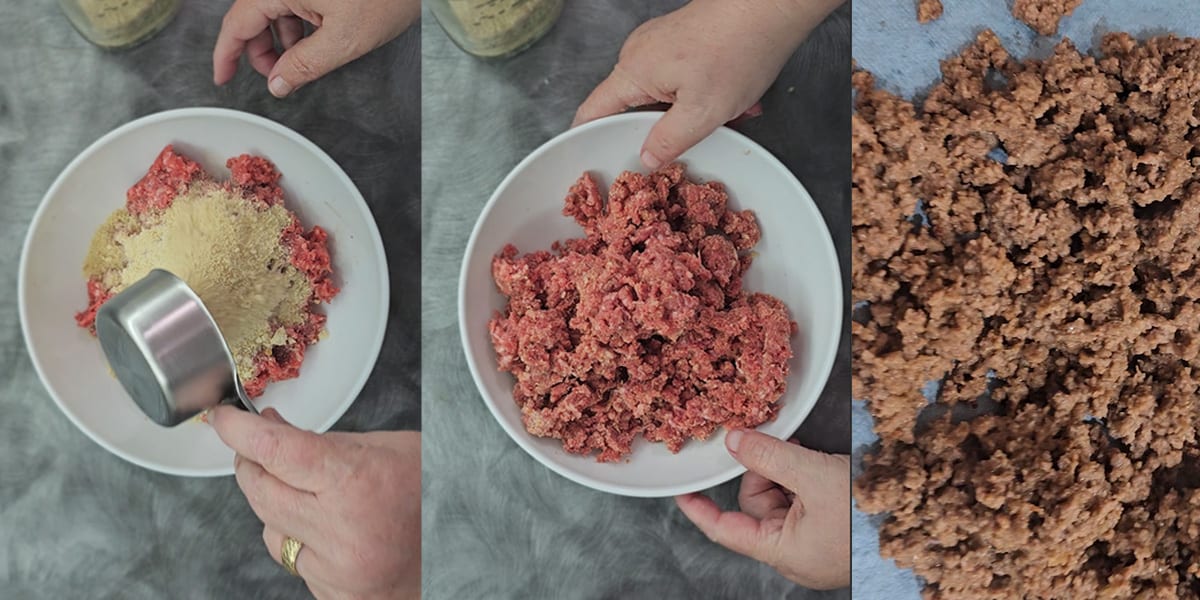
(120, 23)
(105, 258)
(499, 27)
(227, 250)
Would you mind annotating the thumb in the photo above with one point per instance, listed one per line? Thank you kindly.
(680, 128)
(310, 59)
(296, 456)
(790, 465)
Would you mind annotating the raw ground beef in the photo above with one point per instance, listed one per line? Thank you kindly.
(929, 10)
(1035, 243)
(1043, 15)
(256, 179)
(168, 177)
(641, 327)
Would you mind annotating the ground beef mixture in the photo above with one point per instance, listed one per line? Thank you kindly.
(1029, 240)
(1043, 15)
(235, 243)
(641, 327)
(929, 10)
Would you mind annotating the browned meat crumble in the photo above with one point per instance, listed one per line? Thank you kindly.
(1054, 266)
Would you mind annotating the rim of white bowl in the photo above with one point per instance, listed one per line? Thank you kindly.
(375, 345)
(521, 437)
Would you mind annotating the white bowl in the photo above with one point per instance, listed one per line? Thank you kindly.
(796, 262)
(52, 286)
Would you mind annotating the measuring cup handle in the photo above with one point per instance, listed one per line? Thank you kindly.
(238, 397)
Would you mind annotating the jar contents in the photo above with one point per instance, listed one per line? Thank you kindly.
(117, 24)
(496, 28)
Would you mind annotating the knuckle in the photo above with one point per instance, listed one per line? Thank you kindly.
(621, 73)
(639, 37)
(304, 66)
(267, 446)
(303, 452)
(757, 450)
(355, 45)
(665, 142)
(233, 15)
(345, 43)
(707, 112)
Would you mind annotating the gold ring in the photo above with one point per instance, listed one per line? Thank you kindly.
(291, 549)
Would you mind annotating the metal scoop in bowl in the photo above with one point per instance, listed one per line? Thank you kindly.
(167, 351)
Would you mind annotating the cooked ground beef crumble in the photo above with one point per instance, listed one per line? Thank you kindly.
(1043, 15)
(642, 327)
(1034, 241)
(929, 10)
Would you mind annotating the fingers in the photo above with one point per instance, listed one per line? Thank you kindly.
(680, 128)
(310, 59)
(761, 498)
(244, 22)
(615, 94)
(289, 30)
(736, 531)
(755, 111)
(299, 458)
(260, 52)
(308, 565)
(770, 457)
(276, 503)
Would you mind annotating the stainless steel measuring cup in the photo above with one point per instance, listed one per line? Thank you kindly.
(167, 351)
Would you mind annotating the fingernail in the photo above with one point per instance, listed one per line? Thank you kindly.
(733, 439)
(273, 415)
(650, 160)
(279, 88)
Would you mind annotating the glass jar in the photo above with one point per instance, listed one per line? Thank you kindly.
(118, 24)
(496, 28)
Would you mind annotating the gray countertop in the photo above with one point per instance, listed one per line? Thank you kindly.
(481, 538)
(75, 521)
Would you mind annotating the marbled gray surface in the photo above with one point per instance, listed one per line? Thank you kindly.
(75, 521)
(496, 523)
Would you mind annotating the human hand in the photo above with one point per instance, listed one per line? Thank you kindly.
(711, 60)
(344, 31)
(353, 499)
(795, 506)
